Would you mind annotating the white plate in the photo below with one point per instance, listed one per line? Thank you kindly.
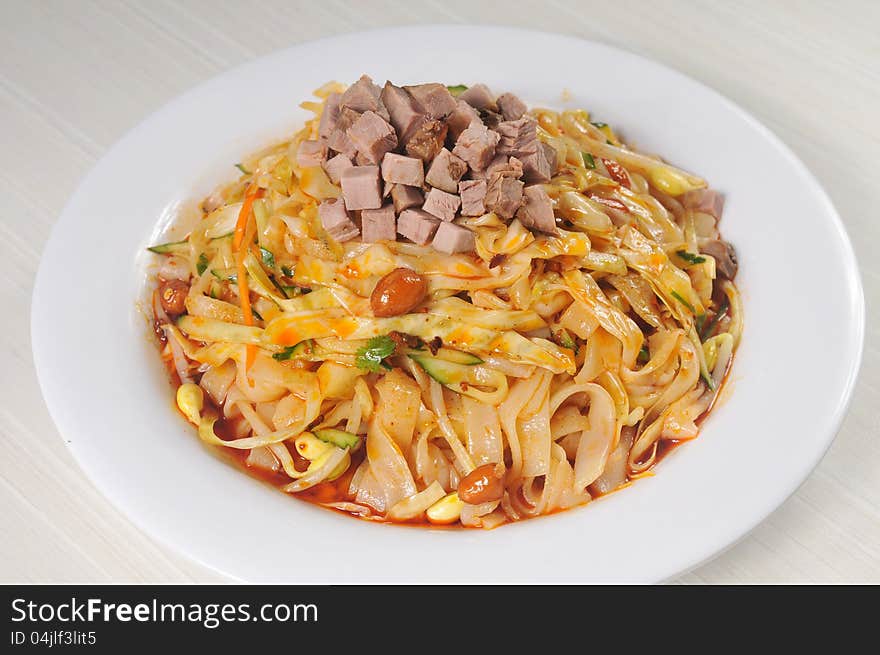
(792, 377)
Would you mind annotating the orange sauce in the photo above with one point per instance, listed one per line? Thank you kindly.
(337, 490)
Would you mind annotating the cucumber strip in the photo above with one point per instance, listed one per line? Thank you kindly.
(338, 438)
(225, 274)
(445, 372)
(451, 355)
(171, 248)
(458, 357)
(175, 247)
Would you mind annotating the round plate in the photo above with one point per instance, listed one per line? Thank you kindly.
(106, 391)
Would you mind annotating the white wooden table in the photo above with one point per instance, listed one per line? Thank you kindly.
(74, 76)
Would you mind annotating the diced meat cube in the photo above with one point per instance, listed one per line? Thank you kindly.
(511, 107)
(378, 224)
(441, 204)
(335, 220)
(497, 161)
(451, 238)
(539, 166)
(459, 120)
(363, 96)
(434, 99)
(476, 146)
(491, 119)
(338, 139)
(726, 263)
(472, 193)
(404, 112)
(360, 188)
(504, 190)
(416, 225)
(336, 166)
(403, 170)
(519, 137)
(405, 197)
(551, 156)
(503, 165)
(373, 136)
(503, 195)
(445, 171)
(479, 96)
(329, 115)
(310, 153)
(536, 212)
(427, 140)
(707, 201)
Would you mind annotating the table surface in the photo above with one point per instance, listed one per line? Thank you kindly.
(75, 76)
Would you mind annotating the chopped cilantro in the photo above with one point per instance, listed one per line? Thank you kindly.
(202, 263)
(371, 356)
(589, 162)
(242, 169)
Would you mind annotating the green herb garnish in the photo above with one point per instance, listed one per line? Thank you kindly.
(370, 357)
(677, 296)
(268, 258)
(286, 271)
(256, 314)
(457, 90)
(242, 169)
(644, 356)
(690, 257)
(202, 263)
(589, 162)
(710, 326)
(599, 125)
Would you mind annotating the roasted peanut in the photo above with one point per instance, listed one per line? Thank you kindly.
(398, 293)
(172, 295)
(483, 484)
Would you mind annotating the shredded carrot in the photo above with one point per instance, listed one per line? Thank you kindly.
(241, 247)
(247, 209)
